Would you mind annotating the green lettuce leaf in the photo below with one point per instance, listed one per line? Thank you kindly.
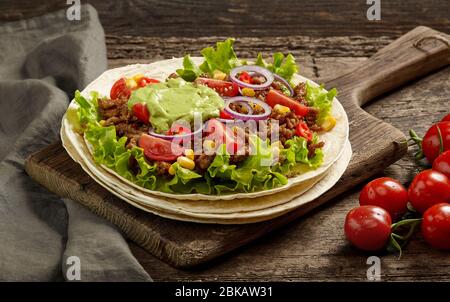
(221, 58)
(284, 66)
(297, 152)
(321, 99)
(255, 173)
(190, 70)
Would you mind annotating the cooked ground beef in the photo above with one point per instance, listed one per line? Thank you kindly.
(116, 113)
(311, 120)
(162, 167)
(312, 148)
(237, 107)
(287, 123)
(300, 94)
(203, 161)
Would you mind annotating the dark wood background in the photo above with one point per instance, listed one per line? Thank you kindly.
(327, 37)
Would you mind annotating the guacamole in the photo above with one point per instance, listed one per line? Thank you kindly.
(176, 99)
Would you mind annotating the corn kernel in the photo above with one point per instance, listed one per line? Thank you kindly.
(186, 162)
(131, 83)
(219, 75)
(328, 123)
(189, 153)
(248, 92)
(281, 109)
(172, 170)
(138, 76)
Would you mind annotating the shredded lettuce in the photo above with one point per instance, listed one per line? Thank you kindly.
(190, 70)
(221, 58)
(321, 99)
(284, 66)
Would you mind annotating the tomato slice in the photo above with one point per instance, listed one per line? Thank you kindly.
(446, 118)
(225, 115)
(275, 97)
(302, 130)
(246, 77)
(223, 88)
(144, 81)
(120, 89)
(158, 149)
(222, 135)
(140, 111)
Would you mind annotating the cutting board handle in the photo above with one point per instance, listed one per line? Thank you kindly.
(413, 55)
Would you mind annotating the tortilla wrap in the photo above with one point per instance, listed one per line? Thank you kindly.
(237, 211)
(334, 140)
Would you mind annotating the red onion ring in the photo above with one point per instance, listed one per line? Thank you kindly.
(246, 117)
(255, 69)
(172, 137)
(285, 83)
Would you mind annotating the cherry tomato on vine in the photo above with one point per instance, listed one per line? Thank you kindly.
(436, 226)
(446, 118)
(432, 145)
(368, 227)
(428, 188)
(442, 163)
(386, 193)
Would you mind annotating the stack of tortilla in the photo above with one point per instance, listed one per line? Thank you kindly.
(235, 208)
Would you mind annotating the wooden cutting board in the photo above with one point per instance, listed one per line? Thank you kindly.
(375, 144)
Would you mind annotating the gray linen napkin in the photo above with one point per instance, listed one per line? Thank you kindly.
(42, 61)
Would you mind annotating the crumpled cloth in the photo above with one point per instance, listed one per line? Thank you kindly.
(42, 61)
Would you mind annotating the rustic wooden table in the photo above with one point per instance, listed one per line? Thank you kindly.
(326, 37)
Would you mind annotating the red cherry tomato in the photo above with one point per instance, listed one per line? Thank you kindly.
(223, 88)
(428, 188)
(144, 81)
(386, 193)
(436, 226)
(302, 130)
(140, 111)
(446, 118)
(246, 77)
(368, 227)
(442, 163)
(431, 144)
(120, 89)
(225, 115)
(158, 149)
(275, 97)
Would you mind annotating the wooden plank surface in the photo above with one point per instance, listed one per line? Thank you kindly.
(313, 248)
(248, 18)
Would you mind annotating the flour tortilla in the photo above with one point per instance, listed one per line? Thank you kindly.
(170, 208)
(334, 140)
